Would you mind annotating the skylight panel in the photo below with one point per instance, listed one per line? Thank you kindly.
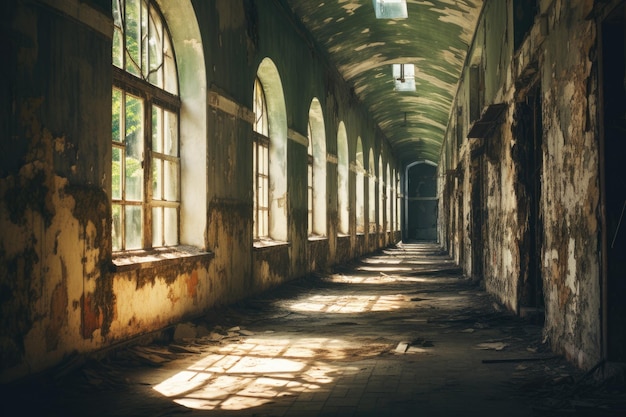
(404, 77)
(390, 9)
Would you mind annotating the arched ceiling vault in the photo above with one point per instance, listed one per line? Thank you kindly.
(434, 38)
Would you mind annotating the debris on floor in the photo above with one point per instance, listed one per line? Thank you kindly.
(319, 346)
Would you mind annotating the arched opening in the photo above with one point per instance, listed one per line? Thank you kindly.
(360, 184)
(388, 200)
(276, 114)
(381, 196)
(421, 202)
(343, 176)
(317, 174)
(372, 193)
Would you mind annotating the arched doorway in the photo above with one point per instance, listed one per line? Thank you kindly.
(421, 202)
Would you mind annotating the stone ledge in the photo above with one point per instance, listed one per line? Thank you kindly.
(160, 257)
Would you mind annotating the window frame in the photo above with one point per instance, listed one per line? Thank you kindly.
(141, 86)
(261, 171)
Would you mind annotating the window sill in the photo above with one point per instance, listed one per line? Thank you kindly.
(268, 243)
(316, 238)
(161, 257)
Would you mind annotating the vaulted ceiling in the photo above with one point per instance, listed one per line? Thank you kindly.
(434, 38)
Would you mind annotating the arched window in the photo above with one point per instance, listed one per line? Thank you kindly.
(396, 176)
(360, 184)
(317, 168)
(372, 193)
(260, 156)
(270, 154)
(381, 195)
(391, 190)
(388, 200)
(343, 179)
(146, 164)
(310, 177)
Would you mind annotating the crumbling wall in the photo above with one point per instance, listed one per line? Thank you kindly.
(504, 229)
(53, 207)
(571, 258)
(558, 57)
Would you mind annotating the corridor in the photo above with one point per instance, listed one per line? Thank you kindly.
(399, 333)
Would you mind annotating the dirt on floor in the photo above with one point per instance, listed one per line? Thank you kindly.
(400, 332)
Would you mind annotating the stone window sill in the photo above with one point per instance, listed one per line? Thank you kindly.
(262, 244)
(317, 238)
(159, 257)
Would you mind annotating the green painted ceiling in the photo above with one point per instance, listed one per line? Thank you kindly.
(435, 38)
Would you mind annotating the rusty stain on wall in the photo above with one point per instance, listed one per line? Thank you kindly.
(92, 318)
(192, 284)
(58, 311)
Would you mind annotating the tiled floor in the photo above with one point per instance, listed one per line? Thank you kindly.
(400, 333)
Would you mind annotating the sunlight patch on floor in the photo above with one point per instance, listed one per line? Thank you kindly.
(349, 304)
(245, 375)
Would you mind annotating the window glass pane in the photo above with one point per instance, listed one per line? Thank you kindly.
(116, 110)
(264, 164)
(157, 179)
(264, 192)
(116, 227)
(133, 36)
(133, 226)
(170, 139)
(144, 39)
(118, 38)
(157, 226)
(254, 185)
(157, 129)
(134, 148)
(263, 223)
(170, 180)
(260, 109)
(116, 174)
(171, 226)
(171, 78)
(155, 47)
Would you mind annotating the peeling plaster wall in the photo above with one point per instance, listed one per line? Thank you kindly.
(502, 252)
(53, 207)
(559, 56)
(60, 293)
(571, 258)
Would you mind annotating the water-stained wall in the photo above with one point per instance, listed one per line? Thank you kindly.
(536, 170)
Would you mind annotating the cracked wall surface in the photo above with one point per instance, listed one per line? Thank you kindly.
(558, 57)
